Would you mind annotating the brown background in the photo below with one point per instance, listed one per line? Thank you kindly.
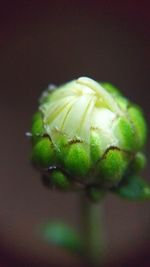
(54, 42)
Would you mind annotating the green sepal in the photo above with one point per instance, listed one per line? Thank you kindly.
(62, 235)
(77, 161)
(37, 128)
(124, 131)
(43, 153)
(96, 146)
(62, 148)
(137, 118)
(134, 188)
(112, 167)
(122, 102)
(60, 180)
(111, 88)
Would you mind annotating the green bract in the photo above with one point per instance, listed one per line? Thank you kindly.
(87, 136)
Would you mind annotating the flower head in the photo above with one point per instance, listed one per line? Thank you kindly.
(87, 135)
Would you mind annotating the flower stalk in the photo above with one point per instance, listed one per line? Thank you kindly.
(91, 231)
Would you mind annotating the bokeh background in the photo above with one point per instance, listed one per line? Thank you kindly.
(52, 42)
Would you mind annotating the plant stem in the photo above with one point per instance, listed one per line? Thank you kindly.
(91, 231)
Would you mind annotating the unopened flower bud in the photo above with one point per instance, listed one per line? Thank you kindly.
(86, 134)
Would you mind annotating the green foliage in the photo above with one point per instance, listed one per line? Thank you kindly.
(134, 188)
(62, 235)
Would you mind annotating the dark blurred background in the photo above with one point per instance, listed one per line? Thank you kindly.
(52, 42)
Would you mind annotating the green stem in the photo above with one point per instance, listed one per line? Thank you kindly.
(91, 231)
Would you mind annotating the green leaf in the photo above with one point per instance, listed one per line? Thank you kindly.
(60, 234)
(135, 188)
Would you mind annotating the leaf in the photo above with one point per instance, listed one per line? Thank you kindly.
(60, 234)
(135, 188)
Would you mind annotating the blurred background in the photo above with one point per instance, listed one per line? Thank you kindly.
(53, 42)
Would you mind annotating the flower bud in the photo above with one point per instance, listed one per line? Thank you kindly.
(87, 135)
